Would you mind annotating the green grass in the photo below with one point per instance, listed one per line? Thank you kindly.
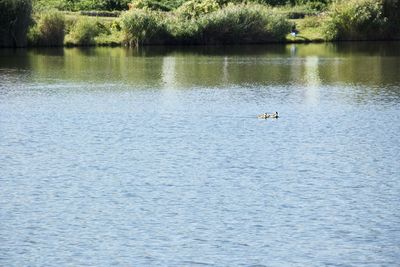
(113, 39)
(295, 12)
(310, 29)
(73, 16)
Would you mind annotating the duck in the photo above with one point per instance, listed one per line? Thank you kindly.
(274, 115)
(268, 115)
(262, 116)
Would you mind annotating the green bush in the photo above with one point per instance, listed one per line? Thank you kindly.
(49, 30)
(15, 17)
(149, 5)
(311, 4)
(244, 23)
(355, 20)
(40, 6)
(311, 22)
(100, 4)
(315, 3)
(159, 5)
(84, 31)
(114, 4)
(195, 8)
(87, 5)
(233, 24)
(183, 31)
(173, 4)
(78, 5)
(143, 27)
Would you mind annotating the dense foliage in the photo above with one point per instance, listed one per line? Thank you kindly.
(194, 21)
(356, 20)
(164, 5)
(84, 32)
(49, 30)
(77, 5)
(15, 16)
(152, 5)
(251, 23)
(143, 26)
(195, 8)
(243, 23)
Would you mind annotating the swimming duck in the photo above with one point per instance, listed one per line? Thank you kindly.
(274, 115)
(262, 116)
(268, 116)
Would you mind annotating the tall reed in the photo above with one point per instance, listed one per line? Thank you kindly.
(233, 24)
(49, 30)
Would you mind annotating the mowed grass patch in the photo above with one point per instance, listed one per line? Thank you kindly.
(310, 29)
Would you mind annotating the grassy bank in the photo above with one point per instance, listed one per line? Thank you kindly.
(206, 22)
(258, 26)
(232, 24)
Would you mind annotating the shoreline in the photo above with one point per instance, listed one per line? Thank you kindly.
(291, 41)
(307, 42)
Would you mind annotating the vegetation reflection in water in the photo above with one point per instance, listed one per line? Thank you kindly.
(370, 64)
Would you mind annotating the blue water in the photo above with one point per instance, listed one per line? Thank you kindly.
(143, 168)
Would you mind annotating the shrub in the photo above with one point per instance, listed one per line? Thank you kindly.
(195, 8)
(144, 26)
(15, 17)
(83, 32)
(78, 5)
(149, 5)
(173, 4)
(112, 4)
(160, 5)
(49, 30)
(183, 31)
(355, 20)
(312, 4)
(116, 25)
(316, 3)
(244, 23)
(40, 6)
(312, 22)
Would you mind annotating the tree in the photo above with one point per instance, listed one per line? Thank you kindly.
(391, 10)
(15, 17)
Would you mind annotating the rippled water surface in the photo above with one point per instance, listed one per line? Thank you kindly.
(155, 157)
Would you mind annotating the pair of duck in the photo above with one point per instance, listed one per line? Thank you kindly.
(268, 115)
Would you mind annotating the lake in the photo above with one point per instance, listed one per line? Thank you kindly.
(155, 156)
